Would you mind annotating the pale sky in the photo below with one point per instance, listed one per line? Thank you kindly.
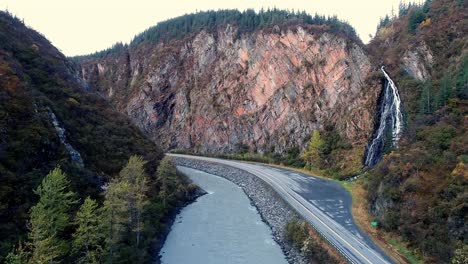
(80, 27)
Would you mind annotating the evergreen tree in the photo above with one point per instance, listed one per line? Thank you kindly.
(314, 151)
(425, 100)
(134, 174)
(168, 180)
(445, 90)
(50, 217)
(427, 6)
(116, 216)
(125, 201)
(17, 256)
(462, 80)
(416, 17)
(88, 238)
(384, 22)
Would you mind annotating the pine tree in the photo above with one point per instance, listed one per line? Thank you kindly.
(18, 256)
(425, 99)
(50, 217)
(313, 153)
(416, 17)
(134, 174)
(462, 80)
(116, 215)
(445, 90)
(167, 179)
(88, 238)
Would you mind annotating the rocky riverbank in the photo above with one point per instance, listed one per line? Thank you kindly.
(273, 210)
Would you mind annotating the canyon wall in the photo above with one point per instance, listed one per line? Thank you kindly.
(213, 92)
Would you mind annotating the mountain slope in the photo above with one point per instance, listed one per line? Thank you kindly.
(220, 88)
(419, 191)
(36, 85)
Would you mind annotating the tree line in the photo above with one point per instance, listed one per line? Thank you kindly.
(246, 21)
(115, 228)
(417, 14)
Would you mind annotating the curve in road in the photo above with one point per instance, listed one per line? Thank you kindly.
(322, 203)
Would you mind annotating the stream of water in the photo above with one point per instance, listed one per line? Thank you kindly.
(220, 227)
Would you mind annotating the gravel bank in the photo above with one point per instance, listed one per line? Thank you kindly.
(273, 210)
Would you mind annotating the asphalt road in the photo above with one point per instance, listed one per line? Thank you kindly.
(324, 204)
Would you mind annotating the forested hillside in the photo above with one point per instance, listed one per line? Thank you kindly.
(48, 120)
(419, 191)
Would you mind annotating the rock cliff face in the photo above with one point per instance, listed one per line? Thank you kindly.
(418, 61)
(214, 91)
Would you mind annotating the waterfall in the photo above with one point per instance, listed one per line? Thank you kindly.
(75, 156)
(391, 119)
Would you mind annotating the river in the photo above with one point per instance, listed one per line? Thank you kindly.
(220, 227)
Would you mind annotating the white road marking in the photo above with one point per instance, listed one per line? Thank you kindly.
(266, 177)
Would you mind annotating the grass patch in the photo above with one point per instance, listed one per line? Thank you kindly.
(410, 255)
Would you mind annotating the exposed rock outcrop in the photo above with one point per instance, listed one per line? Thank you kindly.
(213, 91)
(417, 62)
